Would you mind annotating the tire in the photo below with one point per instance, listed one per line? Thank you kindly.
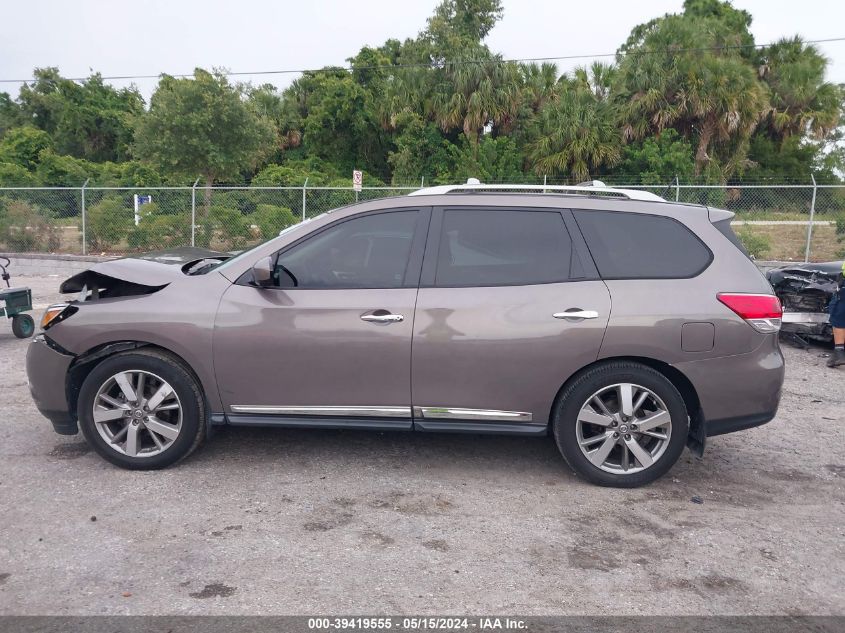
(178, 420)
(23, 325)
(588, 413)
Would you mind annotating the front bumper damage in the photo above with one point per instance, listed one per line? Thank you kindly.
(813, 324)
(46, 368)
(805, 290)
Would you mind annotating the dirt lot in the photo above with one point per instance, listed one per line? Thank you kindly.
(281, 521)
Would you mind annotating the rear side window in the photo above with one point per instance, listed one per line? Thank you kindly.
(640, 246)
(502, 248)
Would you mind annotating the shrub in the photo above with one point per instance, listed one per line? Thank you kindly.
(270, 219)
(757, 245)
(108, 223)
(224, 228)
(24, 228)
(157, 230)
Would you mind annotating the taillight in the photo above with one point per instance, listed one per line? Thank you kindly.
(762, 312)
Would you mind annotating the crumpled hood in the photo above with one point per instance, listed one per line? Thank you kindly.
(151, 270)
(823, 276)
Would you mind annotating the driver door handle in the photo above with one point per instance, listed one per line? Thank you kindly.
(382, 318)
(576, 314)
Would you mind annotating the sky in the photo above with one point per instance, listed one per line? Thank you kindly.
(148, 37)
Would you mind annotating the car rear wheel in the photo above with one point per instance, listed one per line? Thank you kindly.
(621, 424)
(141, 410)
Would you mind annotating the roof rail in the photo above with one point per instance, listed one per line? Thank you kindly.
(594, 187)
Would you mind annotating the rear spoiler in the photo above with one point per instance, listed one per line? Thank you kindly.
(717, 215)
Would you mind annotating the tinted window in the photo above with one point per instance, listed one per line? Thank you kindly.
(637, 246)
(366, 252)
(491, 248)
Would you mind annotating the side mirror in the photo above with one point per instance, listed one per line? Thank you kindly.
(262, 272)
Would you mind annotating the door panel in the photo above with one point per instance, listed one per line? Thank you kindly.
(497, 349)
(331, 340)
(501, 348)
(310, 348)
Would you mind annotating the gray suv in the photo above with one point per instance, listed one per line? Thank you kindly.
(625, 326)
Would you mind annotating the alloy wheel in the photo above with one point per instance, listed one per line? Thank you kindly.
(137, 413)
(623, 428)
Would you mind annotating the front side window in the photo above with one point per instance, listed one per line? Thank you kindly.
(366, 252)
(488, 247)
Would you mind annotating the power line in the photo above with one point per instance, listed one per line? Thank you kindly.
(464, 62)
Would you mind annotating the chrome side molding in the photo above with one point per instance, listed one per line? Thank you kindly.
(365, 412)
(456, 413)
(427, 413)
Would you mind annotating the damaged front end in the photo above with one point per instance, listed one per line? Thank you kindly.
(805, 291)
(140, 275)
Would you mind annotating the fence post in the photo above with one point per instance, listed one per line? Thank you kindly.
(677, 189)
(194, 212)
(544, 182)
(303, 199)
(422, 182)
(84, 237)
(810, 225)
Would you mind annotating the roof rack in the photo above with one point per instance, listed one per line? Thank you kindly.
(593, 187)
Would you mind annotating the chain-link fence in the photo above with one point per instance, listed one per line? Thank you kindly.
(794, 222)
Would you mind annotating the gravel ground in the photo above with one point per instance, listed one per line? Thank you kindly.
(270, 521)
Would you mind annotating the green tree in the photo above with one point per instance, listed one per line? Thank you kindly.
(10, 113)
(63, 171)
(202, 126)
(23, 146)
(491, 160)
(709, 92)
(802, 102)
(575, 135)
(12, 175)
(457, 24)
(341, 126)
(88, 119)
(421, 150)
(269, 104)
(656, 158)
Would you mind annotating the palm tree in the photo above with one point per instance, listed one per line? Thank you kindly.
(475, 91)
(598, 79)
(710, 96)
(575, 134)
(538, 83)
(801, 100)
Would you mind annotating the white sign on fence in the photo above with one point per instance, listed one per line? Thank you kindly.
(357, 180)
(139, 202)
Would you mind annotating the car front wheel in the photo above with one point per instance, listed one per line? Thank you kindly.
(621, 424)
(141, 410)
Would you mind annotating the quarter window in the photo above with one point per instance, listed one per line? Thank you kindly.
(502, 248)
(366, 252)
(639, 246)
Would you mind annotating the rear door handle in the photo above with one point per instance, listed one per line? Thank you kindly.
(382, 318)
(576, 314)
